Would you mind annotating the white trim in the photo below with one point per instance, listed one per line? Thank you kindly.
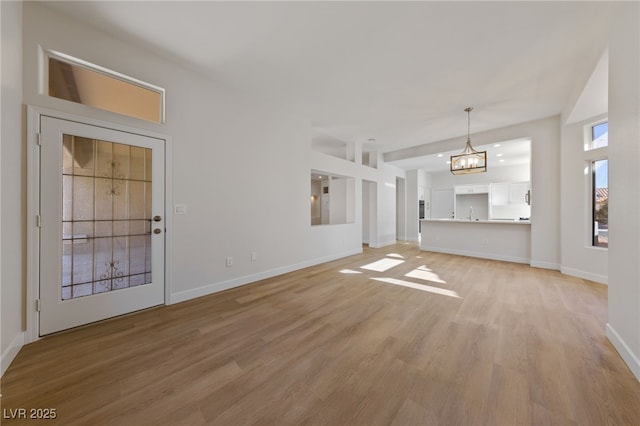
(11, 352)
(247, 279)
(545, 265)
(382, 244)
(33, 234)
(413, 240)
(33, 166)
(481, 255)
(602, 279)
(625, 352)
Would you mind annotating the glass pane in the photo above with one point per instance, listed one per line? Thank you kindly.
(87, 86)
(120, 257)
(137, 246)
(82, 262)
(147, 165)
(147, 200)
(137, 163)
(139, 227)
(122, 228)
(106, 210)
(67, 231)
(104, 159)
(83, 156)
(599, 136)
(67, 198)
(121, 161)
(67, 254)
(104, 199)
(103, 259)
(147, 252)
(120, 199)
(66, 293)
(601, 203)
(103, 228)
(135, 280)
(137, 200)
(101, 286)
(83, 201)
(67, 155)
(82, 290)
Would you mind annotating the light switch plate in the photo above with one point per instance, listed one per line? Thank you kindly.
(180, 209)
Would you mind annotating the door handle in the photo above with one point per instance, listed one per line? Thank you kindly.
(157, 230)
(157, 218)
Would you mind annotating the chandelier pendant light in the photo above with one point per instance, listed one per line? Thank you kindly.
(470, 160)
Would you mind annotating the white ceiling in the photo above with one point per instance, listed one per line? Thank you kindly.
(397, 72)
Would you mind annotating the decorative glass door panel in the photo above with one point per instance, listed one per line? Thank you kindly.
(106, 216)
(102, 235)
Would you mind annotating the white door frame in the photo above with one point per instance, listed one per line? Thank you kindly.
(33, 206)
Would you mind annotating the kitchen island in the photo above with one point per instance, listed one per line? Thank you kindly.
(508, 240)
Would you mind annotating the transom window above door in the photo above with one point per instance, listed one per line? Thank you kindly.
(79, 81)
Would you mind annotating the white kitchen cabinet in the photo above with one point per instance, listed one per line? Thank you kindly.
(519, 193)
(504, 194)
(472, 189)
(500, 194)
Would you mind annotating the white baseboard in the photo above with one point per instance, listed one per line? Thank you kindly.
(481, 255)
(602, 279)
(627, 355)
(382, 244)
(10, 353)
(413, 240)
(247, 279)
(545, 265)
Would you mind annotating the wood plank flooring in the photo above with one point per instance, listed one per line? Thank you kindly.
(338, 344)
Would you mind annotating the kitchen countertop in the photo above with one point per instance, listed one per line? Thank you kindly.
(496, 221)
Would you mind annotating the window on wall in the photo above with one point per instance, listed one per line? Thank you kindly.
(596, 143)
(79, 81)
(598, 137)
(600, 202)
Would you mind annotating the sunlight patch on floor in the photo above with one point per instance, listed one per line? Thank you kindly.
(396, 255)
(422, 287)
(382, 265)
(349, 271)
(424, 273)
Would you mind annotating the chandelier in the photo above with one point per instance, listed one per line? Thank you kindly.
(470, 160)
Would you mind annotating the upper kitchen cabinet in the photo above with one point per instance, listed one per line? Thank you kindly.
(505, 194)
(472, 189)
(520, 193)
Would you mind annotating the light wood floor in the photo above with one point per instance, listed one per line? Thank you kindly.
(504, 344)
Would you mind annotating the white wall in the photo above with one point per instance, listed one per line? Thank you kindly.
(412, 205)
(579, 258)
(623, 328)
(515, 173)
(339, 199)
(401, 209)
(223, 143)
(13, 184)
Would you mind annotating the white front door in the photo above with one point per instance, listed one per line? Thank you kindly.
(102, 228)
